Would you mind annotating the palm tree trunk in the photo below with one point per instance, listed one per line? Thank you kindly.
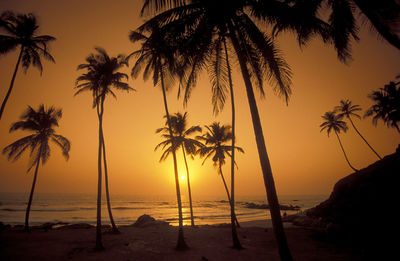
(99, 245)
(341, 146)
(363, 138)
(272, 197)
(181, 244)
(189, 190)
(235, 238)
(3, 105)
(28, 208)
(114, 227)
(227, 193)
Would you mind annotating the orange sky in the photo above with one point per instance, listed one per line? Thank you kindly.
(304, 161)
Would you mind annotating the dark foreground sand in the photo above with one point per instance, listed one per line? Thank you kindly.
(158, 242)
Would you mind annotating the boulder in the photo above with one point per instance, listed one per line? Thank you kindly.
(148, 221)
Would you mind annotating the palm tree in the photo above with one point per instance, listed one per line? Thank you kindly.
(21, 31)
(157, 54)
(334, 122)
(347, 109)
(180, 140)
(258, 58)
(215, 145)
(384, 16)
(102, 74)
(387, 105)
(41, 122)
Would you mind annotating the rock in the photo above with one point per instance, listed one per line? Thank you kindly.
(4, 227)
(146, 221)
(265, 206)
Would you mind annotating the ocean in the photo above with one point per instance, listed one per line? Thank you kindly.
(81, 208)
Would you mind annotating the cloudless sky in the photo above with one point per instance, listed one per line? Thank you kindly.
(304, 161)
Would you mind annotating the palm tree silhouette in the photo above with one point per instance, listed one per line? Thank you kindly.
(347, 109)
(387, 105)
(41, 122)
(102, 74)
(157, 54)
(215, 145)
(180, 140)
(21, 31)
(258, 58)
(384, 16)
(334, 122)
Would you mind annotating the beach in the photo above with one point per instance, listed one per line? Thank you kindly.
(157, 242)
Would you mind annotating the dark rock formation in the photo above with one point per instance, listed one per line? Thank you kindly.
(265, 206)
(360, 209)
(148, 221)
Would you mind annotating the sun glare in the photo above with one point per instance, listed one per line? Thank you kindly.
(182, 177)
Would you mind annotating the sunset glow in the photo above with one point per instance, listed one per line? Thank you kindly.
(303, 160)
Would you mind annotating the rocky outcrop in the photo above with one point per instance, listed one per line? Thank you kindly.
(363, 198)
(265, 206)
(148, 221)
(360, 209)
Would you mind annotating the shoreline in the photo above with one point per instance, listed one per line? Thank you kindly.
(156, 241)
(259, 223)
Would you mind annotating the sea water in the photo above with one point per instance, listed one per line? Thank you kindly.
(81, 208)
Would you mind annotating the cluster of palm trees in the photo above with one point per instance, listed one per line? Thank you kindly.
(184, 37)
(214, 143)
(386, 107)
(21, 32)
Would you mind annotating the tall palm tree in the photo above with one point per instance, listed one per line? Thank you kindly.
(21, 31)
(258, 58)
(215, 145)
(157, 55)
(41, 122)
(334, 122)
(181, 140)
(387, 105)
(347, 109)
(102, 74)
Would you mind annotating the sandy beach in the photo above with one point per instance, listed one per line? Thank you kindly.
(157, 242)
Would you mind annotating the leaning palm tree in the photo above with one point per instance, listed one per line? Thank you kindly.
(41, 122)
(347, 109)
(102, 74)
(387, 105)
(334, 122)
(21, 31)
(157, 55)
(258, 58)
(216, 145)
(181, 140)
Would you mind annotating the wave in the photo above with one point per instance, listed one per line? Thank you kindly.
(129, 208)
(11, 209)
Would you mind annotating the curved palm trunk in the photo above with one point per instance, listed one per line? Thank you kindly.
(181, 244)
(227, 193)
(341, 146)
(189, 190)
(28, 208)
(363, 138)
(99, 245)
(3, 105)
(235, 238)
(114, 227)
(272, 197)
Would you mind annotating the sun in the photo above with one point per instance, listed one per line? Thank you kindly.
(182, 177)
